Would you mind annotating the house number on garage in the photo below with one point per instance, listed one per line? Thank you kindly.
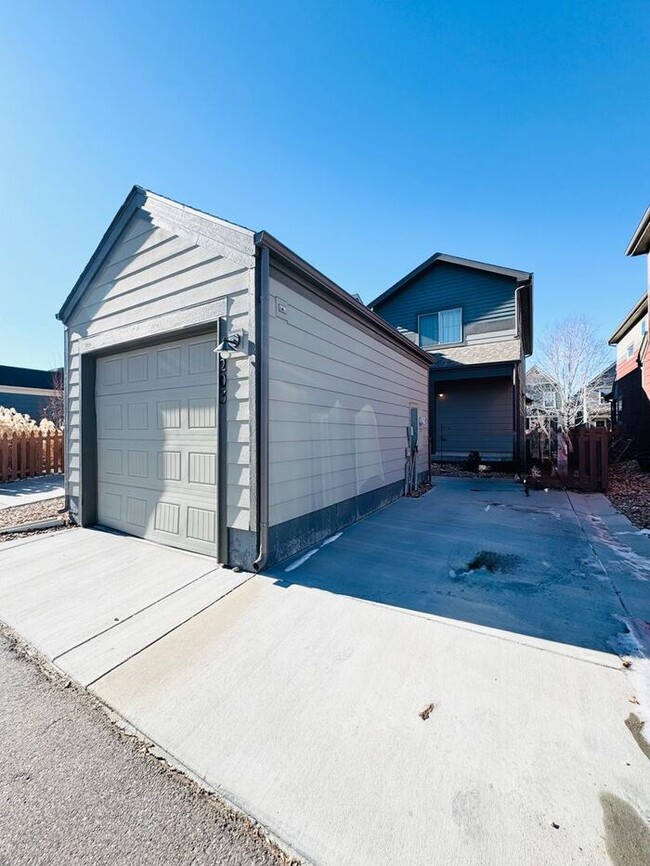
(223, 381)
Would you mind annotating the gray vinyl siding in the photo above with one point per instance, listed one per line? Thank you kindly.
(486, 299)
(152, 273)
(474, 416)
(339, 406)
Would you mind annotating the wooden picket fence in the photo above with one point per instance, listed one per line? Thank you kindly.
(589, 460)
(24, 455)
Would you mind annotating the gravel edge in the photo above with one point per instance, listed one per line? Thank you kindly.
(150, 752)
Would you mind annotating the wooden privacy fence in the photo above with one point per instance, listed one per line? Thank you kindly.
(589, 457)
(24, 455)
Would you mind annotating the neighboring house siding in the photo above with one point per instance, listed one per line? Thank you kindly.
(487, 301)
(339, 407)
(27, 404)
(152, 273)
(625, 364)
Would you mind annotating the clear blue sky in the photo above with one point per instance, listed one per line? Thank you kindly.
(366, 136)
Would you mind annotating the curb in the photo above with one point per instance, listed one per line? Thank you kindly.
(49, 523)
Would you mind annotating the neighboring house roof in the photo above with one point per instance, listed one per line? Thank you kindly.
(637, 312)
(235, 241)
(640, 242)
(524, 278)
(536, 376)
(24, 377)
(605, 378)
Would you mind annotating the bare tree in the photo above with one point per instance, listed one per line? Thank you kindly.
(54, 411)
(571, 357)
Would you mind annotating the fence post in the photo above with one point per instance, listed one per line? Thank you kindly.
(4, 457)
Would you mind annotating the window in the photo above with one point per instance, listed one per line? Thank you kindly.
(439, 329)
(548, 400)
(644, 327)
(630, 351)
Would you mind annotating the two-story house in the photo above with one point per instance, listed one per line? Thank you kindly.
(631, 409)
(631, 394)
(475, 320)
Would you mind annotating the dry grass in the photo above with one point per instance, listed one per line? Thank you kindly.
(629, 491)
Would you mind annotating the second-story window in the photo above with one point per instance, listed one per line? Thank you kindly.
(441, 328)
(630, 350)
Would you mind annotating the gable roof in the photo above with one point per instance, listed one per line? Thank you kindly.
(524, 280)
(522, 276)
(637, 312)
(235, 241)
(640, 242)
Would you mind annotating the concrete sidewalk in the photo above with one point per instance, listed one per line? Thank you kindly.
(29, 490)
(89, 600)
(439, 684)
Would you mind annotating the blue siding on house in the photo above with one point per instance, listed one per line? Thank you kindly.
(26, 404)
(473, 415)
(483, 296)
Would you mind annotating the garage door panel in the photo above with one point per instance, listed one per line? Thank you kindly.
(156, 413)
(142, 461)
(183, 522)
(157, 443)
(190, 363)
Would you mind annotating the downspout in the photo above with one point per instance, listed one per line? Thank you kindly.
(519, 450)
(262, 392)
(66, 425)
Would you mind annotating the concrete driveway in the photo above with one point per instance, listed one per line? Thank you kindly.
(31, 490)
(439, 684)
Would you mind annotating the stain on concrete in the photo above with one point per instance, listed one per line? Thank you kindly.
(627, 834)
(466, 812)
(635, 726)
(492, 562)
(426, 712)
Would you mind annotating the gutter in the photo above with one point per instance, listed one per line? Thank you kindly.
(357, 308)
(262, 399)
(637, 312)
(640, 242)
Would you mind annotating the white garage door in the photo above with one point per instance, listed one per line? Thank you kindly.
(157, 443)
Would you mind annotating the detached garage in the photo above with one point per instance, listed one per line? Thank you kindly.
(225, 397)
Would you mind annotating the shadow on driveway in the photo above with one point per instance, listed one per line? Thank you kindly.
(477, 551)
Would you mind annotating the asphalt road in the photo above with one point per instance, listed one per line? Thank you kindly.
(75, 790)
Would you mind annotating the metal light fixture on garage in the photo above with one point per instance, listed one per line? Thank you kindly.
(233, 344)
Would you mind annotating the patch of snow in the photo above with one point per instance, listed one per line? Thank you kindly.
(302, 559)
(487, 507)
(331, 539)
(639, 565)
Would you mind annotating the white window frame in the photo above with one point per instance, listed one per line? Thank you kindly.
(549, 399)
(437, 313)
(629, 352)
